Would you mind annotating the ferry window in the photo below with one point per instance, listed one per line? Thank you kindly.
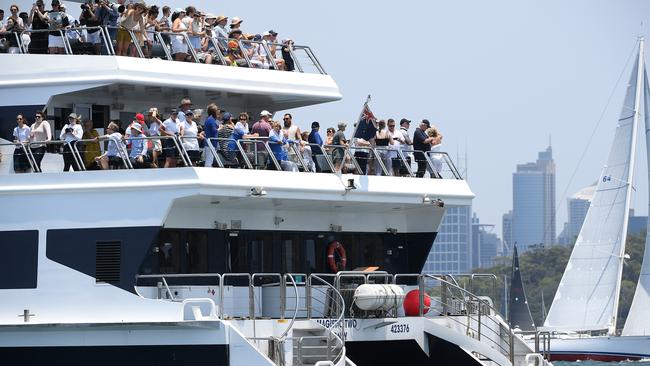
(288, 248)
(310, 255)
(100, 116)
(238, 255)
(169, 252)
(256, 250)
(370, 251)
(197, 251)
(19, 259)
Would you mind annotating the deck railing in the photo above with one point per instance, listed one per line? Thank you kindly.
(253, 153)
(303, 57)
(319, 296)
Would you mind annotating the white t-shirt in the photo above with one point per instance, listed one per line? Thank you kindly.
(21, 134)
(114, 140)
(76, 134)
(190, 131)
(171, 126)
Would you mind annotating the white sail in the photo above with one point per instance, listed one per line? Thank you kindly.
(638, 319)
(587, 297)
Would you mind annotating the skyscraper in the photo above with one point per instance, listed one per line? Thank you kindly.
(452, 252)
(506, 234)
(578, 205)
(485, 244)
(533, 202)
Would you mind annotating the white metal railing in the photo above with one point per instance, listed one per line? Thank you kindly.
(256, 153)
(300, 55)
(321, 299)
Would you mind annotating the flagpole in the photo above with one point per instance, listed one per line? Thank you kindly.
(354, 133)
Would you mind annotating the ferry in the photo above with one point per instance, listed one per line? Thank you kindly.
(226, 265)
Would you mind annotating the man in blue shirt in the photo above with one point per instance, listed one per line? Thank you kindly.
(210, 129)
(138, 155)
(314, 138)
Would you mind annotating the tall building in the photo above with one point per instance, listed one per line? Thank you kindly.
(485, 244)
(506, 234)
(533, 202)
(452, 252)
(577, 206)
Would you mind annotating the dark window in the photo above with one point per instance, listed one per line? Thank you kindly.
(169, 252)
(197, 252)
(107, 262)
(19, 259)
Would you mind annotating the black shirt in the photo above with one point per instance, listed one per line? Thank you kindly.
(418, 140)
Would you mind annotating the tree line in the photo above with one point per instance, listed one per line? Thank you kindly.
(541, 272)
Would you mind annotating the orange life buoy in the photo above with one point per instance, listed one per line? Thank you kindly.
(337, 247)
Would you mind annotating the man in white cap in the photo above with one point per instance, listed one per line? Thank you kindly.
(263, 129)
(138, 154)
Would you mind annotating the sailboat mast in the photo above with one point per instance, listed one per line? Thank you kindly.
(635, 124)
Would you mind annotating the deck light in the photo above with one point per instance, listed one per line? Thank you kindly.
(258, 191)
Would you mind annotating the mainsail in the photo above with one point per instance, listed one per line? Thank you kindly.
(638, 319)
(519, 315)
(587, 297)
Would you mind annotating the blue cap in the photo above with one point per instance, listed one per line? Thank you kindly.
(227, 116)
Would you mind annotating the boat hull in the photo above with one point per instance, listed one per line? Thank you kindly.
(606, 349)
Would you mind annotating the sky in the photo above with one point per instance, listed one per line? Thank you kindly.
(500, 79)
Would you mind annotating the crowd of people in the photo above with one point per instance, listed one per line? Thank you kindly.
(221, 139)
(213, 38)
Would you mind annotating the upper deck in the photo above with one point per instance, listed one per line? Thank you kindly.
(105, 78)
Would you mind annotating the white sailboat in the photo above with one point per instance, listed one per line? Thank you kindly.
(582, 317)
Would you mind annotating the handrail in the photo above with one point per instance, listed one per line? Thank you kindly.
(481, 302)
(295, 311)
(75, 156)
(346, 153)
(157, 37)
(340, 318)
(450, 164)
(375, 155)
(256, 143)
(26, 149)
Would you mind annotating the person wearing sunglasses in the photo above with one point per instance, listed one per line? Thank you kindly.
(41, 131)
(21, 137)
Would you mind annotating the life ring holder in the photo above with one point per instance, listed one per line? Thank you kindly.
(337, 247)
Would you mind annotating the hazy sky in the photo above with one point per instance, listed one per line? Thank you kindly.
(497, 77)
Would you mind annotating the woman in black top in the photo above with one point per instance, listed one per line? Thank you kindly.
(38, 21)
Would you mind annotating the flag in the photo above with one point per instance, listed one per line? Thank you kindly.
(367, 125)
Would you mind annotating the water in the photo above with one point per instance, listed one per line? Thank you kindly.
(596, 363)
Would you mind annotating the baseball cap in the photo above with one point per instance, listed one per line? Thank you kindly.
(315, 124)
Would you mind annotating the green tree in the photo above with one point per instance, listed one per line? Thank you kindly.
(541, 272)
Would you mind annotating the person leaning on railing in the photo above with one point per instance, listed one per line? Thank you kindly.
(154, 130)
(91, 149)
(90, 17)
(179, 47)
(190, 136)
(40, 132)
(139, 153)
(21, 137)
(111, 157)
(132, 20)
(72, 131)
(421, 144)
(170, 128)
(57, 20)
